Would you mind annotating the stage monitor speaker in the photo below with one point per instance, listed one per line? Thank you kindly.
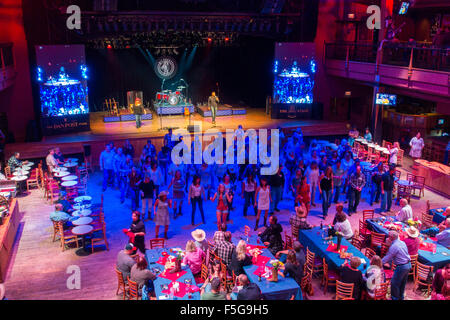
(192, 128)
(87, 149)
(132, 95)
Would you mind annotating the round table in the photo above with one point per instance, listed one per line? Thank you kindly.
(19, 178)
(21, 173)
(29, 163)
(61, 174)
(25, 167)
(19, 182)
(82, 213)
(83, 230)
(82, 198)
(69, 178)
(69, 183)
(404, 182)
(70, 164)
(82, 221)
(60, 169)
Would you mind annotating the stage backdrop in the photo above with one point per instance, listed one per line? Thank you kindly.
(294, 70)
(62, 75)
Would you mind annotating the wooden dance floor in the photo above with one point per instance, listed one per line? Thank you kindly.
(102, 132)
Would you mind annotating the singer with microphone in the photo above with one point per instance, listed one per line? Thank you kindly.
(213, 100)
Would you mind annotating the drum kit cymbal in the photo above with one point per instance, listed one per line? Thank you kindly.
(171, 97)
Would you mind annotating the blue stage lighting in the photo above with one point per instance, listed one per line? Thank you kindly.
(83, 71)
(313, 66)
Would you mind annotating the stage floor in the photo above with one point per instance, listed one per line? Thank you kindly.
(115, 131)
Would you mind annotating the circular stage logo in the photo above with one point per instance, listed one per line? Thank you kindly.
(165, 67)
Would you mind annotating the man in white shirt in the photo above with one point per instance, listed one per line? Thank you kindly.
(51, 161)
(405, 212)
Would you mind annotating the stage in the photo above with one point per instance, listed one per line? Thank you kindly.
(102, 132)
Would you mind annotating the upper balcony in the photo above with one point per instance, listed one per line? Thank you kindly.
(7, 67)
(420, 67)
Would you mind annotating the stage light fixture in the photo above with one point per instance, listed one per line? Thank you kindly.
(109, 46)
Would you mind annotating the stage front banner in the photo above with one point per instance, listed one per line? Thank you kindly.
(67, 124)
(292, 110)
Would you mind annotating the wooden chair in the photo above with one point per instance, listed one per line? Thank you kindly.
(329, 277)
(157, 243)
(400, 156)
(294, 234)
(306, 282)
(357, 243)
(33, 180)
(376, 239)
(133, 290)
(8, 171)
(56, 231)
(368, 214)
(369, 253)
(414, 259)
(418, 184)
(422, 276)
(381, 291)
(121, 284)
(384, 250)
(247, 230)
(397, 174)
(288, 244)
(404, 192)
(53, 192)
(344, 291)
(314, 262)
(204, 273)
(364, 232)
(99, 235)
(66, 236)
(427, 220)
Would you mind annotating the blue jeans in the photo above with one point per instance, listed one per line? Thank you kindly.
(326, 201)
(399, 280)
(375, 193)
(337, 193)
(194, 202)
(249, 199)
(276, 193)
(386, 199)
(353, 200)
(108, 177)
(124, 187)
(138, 120)
(134, 199)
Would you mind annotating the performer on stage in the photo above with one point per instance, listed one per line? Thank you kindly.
(213, 100)
(138, 111)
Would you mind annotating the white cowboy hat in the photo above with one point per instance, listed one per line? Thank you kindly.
(412, 232)
(198, 235)
(163, 193)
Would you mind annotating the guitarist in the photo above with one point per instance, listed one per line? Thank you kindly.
(138, 111)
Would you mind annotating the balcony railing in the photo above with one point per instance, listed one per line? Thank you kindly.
(397, 54)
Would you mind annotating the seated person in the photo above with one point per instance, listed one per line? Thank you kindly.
(351, 274)
(141, 275)
(59, 215)
(194, 257)
(412, 241)
(298, 220)
(224, 248)
(343, 225)
(271, 236)
(443, 237)
(292, 268)
(405, 212)
(374, 275)
(67, 207)
(214, 293)
(441, 277)
(219, 235)
(240, 258)
(58, 156)
(125, 261)
(249, 291)
(199, 237)
(299, 254)
(14, 161)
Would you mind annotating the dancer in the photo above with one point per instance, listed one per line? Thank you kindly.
(248, 193)
(162, 214)
(177, 185)
(264, 198)
(223, 198)
(196, 195)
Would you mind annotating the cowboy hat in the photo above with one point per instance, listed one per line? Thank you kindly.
(198, 235)
(163, 193)
(412, 232)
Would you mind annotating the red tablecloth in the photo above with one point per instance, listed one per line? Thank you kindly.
(260, 260)
(183, 289)
(333, 247)
(253, 246)
(427, 246)
(172, 276)
(261, 270)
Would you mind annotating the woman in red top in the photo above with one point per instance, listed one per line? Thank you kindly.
(223, 198)
(304, 194)
(412, 241)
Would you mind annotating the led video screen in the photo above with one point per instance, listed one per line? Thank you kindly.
(386, 99)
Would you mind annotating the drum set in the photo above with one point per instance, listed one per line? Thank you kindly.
(171, 97)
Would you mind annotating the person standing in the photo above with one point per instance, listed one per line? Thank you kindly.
(304, 194)
(128, 149)
(138, 111)
(162, 213)
(177, 185)
(119, 157)
(138, 228)
(377, 176)
(107, 166)
(262, 201)
(357, 182)
(147, 190)
(223, 198)
(163, 162)
(387, 187)
(393, 153)
(398, 254)
(213, 100)
(325, 187)
(51, 161)
(416, 145)
(338, 176)
(312, 174)
(124, 171)
(195, 197)
(156, 175)
(134, 181)
(276, 189)
(248, 193)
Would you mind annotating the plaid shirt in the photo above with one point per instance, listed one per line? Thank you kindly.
(224, 250)
(218, 236)
(357, 181)
(13, 163)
